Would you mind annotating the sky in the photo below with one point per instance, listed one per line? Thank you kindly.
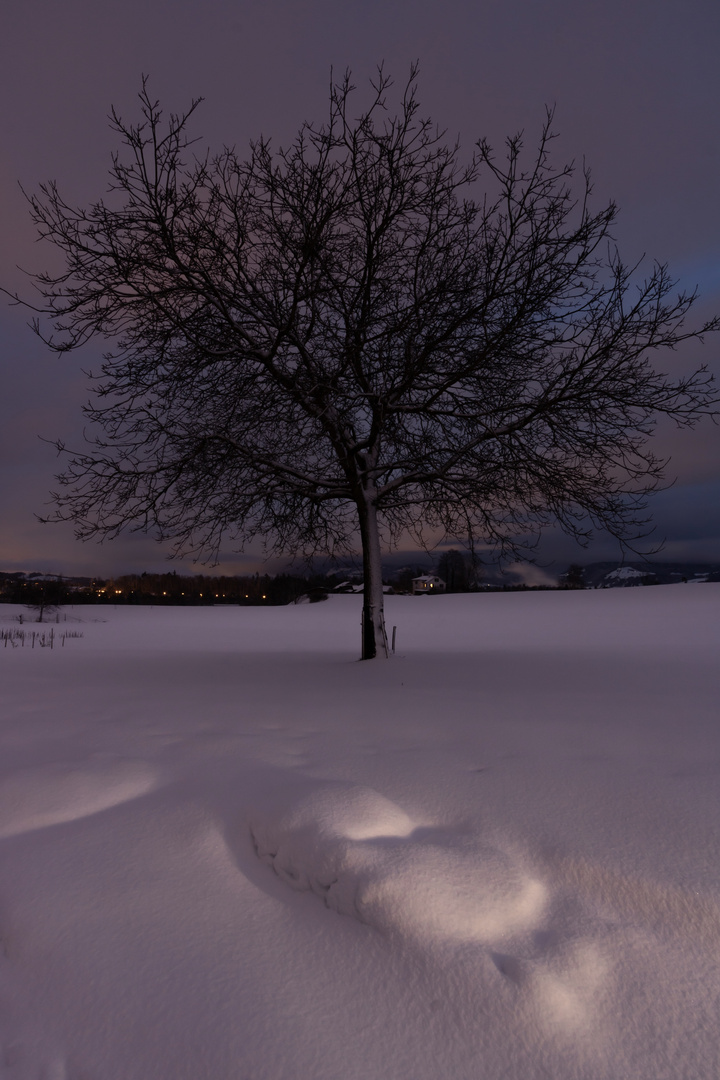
(635, 84)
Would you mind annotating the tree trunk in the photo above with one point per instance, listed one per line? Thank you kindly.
(374, 640)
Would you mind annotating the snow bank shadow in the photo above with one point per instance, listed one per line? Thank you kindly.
(366, 858)
(56, 793)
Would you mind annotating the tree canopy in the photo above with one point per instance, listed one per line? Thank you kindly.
(358, 336)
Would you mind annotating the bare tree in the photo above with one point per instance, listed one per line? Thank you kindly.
(574, 577)
(454, 567)
(44, 597)
(346, 336)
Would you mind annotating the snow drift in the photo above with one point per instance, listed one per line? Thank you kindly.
(227, 850)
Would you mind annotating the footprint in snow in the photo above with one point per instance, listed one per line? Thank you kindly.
(365, 857)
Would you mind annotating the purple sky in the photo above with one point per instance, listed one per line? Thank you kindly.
(637, 90)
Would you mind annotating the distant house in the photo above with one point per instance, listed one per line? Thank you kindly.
(354, 587)
(428, 583)
(348, 587)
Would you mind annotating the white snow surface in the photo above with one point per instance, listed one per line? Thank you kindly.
(229, 851)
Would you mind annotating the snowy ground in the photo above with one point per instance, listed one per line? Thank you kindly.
(230, 851)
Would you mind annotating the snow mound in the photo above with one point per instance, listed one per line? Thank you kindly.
(365, 857)
(625, 573)
(50, 795)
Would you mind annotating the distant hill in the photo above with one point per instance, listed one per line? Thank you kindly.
(608, 575)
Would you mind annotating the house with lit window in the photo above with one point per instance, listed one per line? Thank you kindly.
(428, 583)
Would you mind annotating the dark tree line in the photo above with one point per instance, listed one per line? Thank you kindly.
(358, 336)
(200, 589)
(46, 596)
(42, 597)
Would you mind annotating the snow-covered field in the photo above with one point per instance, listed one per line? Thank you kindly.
(230, 851)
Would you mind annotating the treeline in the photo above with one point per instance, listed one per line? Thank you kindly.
(168, 588)
(201, 589)
(42, 596)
